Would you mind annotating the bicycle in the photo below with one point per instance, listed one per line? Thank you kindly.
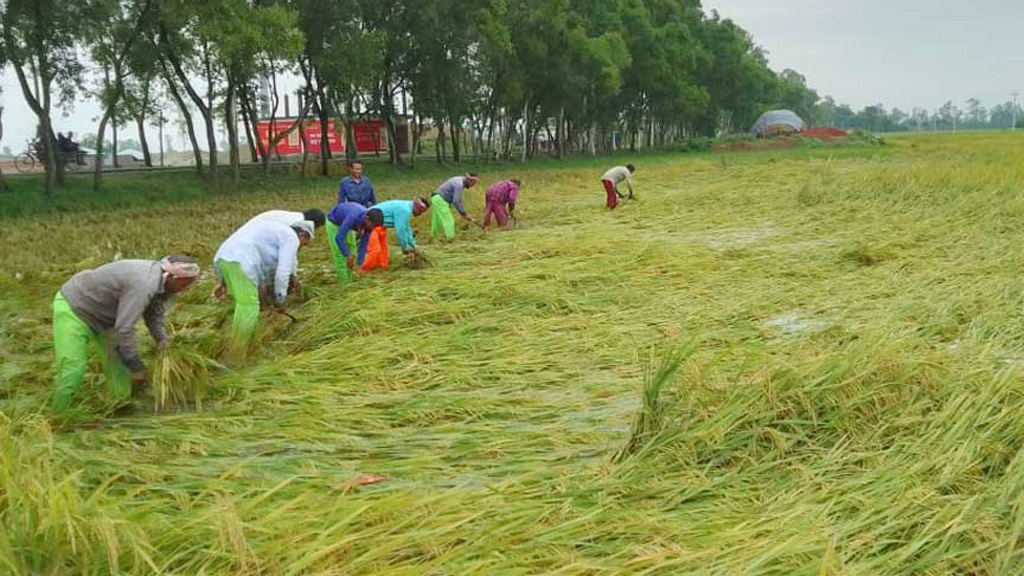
(27, 160)
(32, 156)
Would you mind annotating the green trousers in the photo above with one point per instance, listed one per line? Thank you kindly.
(247, 306)
(340, 265)
(71, 340)
(441, 217)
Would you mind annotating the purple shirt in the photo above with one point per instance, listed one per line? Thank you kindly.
(504, 192)
(347, 216)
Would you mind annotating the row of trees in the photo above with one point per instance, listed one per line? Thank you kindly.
(493, 76)
(971, 116)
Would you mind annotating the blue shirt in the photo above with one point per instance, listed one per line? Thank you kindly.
(397, 215)
(267, 252)
(348, 216)
(359, 192)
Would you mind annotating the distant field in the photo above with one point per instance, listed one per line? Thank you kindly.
(800, 362)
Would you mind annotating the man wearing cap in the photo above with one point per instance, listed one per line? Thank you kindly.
(260, 255)
(102, 306)
(501, 202)
(286, 217)
(348, 235)
(398, 215)
(450, 194)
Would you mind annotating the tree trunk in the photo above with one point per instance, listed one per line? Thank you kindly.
(526, 128)
(276, 138)
(415, 140)
(185, 114)
(160, 135)
(490, 136)
(351, 150)
(204, 110)
(190, 127)
(325, 141)
(305, 146)
(231, 122)
(41, 107)
(394, 155)
(388, 102)
(141, 122)
(113, 142)
(272, 138)
(560, 134)
(207, 112)
(101, 133)
(454, 133)
(439, 143)
(50, 151)
(3, 182)
(248, 123)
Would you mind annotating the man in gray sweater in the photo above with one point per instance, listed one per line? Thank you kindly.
(102, 306)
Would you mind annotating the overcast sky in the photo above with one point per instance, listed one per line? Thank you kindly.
(902, 53)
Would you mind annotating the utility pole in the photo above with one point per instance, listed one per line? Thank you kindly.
(1015, 96)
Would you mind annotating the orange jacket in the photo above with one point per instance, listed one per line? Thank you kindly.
(376, 250)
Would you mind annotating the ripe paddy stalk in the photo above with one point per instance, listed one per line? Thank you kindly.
(853, 407)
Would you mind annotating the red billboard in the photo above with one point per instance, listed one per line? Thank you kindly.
(370, 136)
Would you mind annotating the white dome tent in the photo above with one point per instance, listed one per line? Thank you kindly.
(777, 123)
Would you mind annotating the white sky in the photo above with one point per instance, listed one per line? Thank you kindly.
(902, 53)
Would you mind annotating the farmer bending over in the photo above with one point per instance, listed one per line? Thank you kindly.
(499, 196)
(611, 181)
(287, 218)
(260, 255)
(450, 193)
(398, 215)
(102, 306)
(348, 234)
(373, 249)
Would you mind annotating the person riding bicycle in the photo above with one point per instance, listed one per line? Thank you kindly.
(67, 146)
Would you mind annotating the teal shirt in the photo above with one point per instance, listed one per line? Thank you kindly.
(398, 215)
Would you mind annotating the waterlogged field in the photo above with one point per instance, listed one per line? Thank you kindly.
(796, 362)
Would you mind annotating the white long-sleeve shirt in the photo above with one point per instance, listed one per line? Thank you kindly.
(283, 216)
(267, 251)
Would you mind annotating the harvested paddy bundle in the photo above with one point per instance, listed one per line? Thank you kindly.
(181, 375)
(417, 261)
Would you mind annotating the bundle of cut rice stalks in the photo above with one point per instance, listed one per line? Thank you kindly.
(181, 375)
(417, 261)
